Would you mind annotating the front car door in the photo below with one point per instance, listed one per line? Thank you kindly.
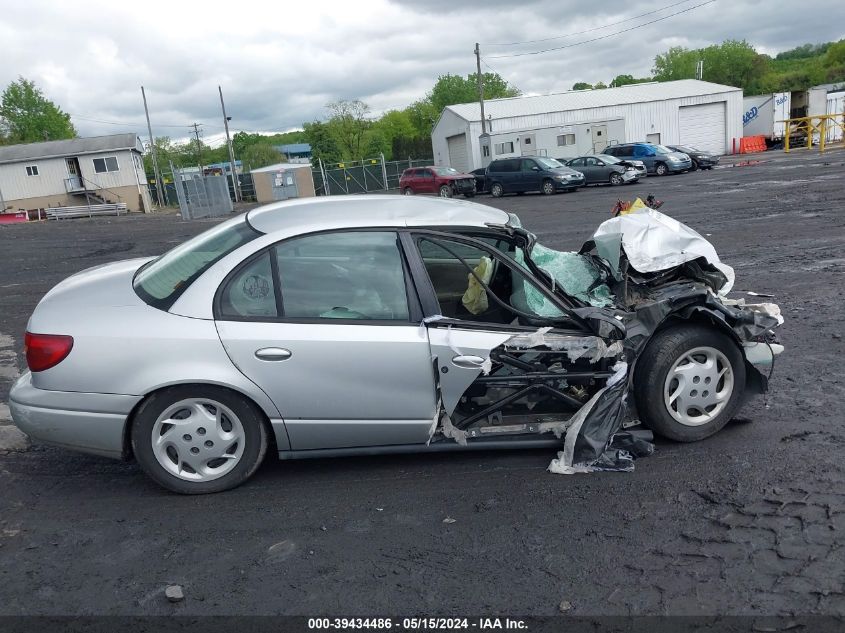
(426, 181)
(329, 326)
(591, 170)
(489, 320)
(531, 175)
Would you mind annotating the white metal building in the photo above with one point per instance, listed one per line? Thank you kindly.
(689, 112)
(72, 172)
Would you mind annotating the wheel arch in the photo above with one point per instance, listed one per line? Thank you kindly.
(275, 443)
(755, 381)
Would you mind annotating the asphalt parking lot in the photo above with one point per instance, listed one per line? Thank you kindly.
(751, 521)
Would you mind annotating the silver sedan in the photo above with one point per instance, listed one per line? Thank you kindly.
(379, 324)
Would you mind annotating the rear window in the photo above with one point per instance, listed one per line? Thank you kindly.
(160, 282)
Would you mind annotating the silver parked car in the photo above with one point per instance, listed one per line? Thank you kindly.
(385, 324)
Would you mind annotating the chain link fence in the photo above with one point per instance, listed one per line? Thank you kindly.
(362, 176)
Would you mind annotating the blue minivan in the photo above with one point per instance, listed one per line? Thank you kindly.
(658, 159)
(531, 173)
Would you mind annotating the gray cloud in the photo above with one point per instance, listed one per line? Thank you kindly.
(279, 64)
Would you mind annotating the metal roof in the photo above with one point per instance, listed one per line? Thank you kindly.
(326, 213)
(280, 166)
(581, 99)
(294, 148)
(69, 147)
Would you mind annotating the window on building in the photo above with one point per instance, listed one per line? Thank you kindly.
(103, 165)
(565, 139)
(32, 170)
(504, 148)
(485, 150)
(527, 140)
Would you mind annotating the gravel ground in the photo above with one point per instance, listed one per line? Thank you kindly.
(748, 522)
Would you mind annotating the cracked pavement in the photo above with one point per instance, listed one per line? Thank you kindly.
(749, 522)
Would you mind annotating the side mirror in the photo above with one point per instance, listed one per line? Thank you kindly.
(535, 168)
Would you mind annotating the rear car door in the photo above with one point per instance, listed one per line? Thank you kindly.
(328, 325)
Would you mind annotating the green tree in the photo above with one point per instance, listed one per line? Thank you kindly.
(260, 155)
(27, 116)
(733, 62)
(582, 85)
(347, 124)
(323, 144)
(451, 89)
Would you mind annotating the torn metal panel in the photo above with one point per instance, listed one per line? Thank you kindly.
(461, 356)
(653, 242)
(590, 347)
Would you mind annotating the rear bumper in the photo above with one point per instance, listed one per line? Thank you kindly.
(87, 422)
(565, 185)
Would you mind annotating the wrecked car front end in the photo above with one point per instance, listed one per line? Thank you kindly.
(641, 274)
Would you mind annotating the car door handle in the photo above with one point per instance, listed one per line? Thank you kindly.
(272, 353)
(468, 362)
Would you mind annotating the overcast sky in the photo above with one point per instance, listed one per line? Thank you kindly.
(279, 63)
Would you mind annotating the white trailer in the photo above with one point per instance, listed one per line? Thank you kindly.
(764, 115)
(835, 105)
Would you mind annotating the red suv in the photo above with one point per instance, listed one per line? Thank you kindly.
(443, 181)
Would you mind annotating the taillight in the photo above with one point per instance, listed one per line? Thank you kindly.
(44, 351)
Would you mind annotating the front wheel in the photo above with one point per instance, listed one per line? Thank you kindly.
(496, 190)
(694, 166)
(689, 382)
(197, 439)
(660, 169)
(548, 187)
(408, 191)
(615, 179)
(446, 191)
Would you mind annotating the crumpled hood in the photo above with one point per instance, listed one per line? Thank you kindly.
(654, 242)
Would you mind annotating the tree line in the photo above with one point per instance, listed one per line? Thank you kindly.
(737, 63)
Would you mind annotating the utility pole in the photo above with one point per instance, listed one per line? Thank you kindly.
(199, 146)
(699, 69)
(236, 185)
(162, 192)
(480, 85)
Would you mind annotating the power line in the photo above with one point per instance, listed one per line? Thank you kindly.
(491, 69)
(602, 37)
(598, 28)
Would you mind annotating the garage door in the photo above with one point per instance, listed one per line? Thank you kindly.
(703, 127)
(458, 152)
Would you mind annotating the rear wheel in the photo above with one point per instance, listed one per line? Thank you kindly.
(196, 439)
(615, 179)
(660, 169)
(496, 190)
(446, 191)
(689, 382)
(694, 166)
(408, 191)
(548, 187)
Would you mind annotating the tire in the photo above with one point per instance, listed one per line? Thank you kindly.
(548, 187)
(230, 453)
(615, 179)
(446, 191)
(694, 166)
(665, 369)
(496, 190)
(660, 169)
(408, 191)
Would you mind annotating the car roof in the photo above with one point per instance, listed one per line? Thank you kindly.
(338, 212)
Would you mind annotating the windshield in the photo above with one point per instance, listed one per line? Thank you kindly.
(160, 282)
(607, 158)
(549, 163)
(446, 171)
(662, 149)
(685, 149)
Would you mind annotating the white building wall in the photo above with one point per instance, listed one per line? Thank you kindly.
(52, 173)
(640, 120)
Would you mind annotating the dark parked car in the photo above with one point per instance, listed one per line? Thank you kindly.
(658, 159)
(480, 179)
(700, 159)
(443, 181)
(604, 170)
(531, 173)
